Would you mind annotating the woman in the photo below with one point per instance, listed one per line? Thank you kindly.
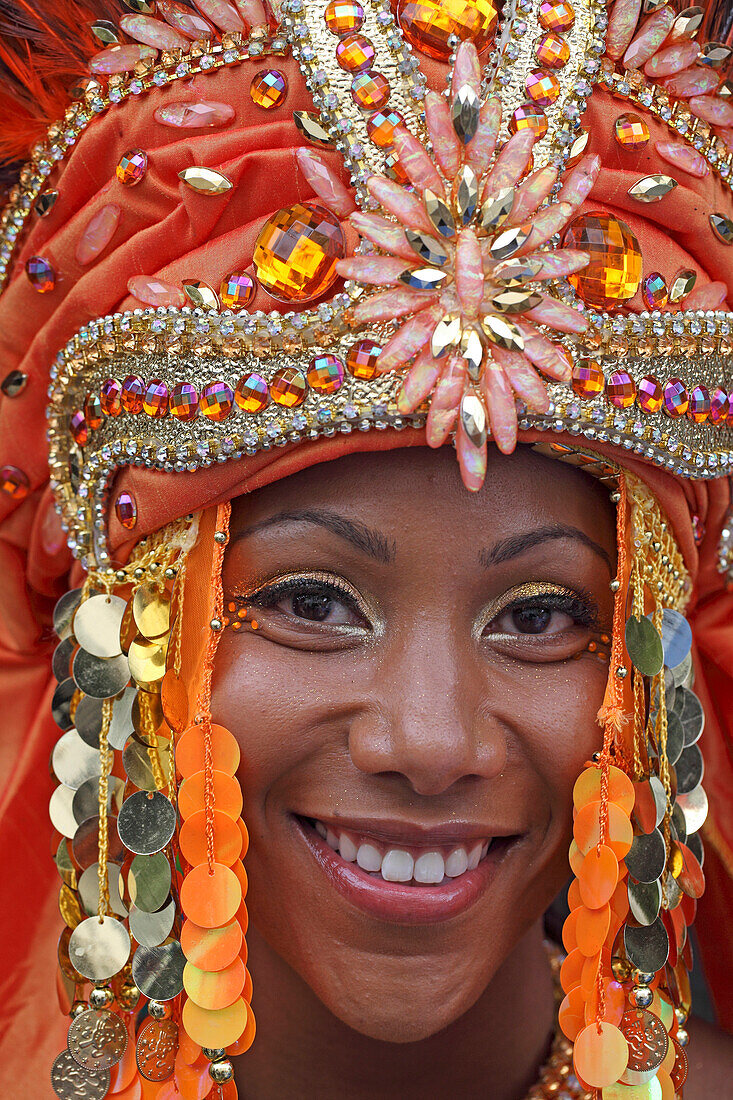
(400, 691)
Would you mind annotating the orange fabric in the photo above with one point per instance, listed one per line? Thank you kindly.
(169, 231)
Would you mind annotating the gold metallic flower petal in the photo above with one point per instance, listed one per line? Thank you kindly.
(424, 278)
(515, 301)
(430, 250)
(682, 285)
(446, 334)
(201, 294)
(715, 55)
(472, 412)
(652, 188)
(722, 227)
(465, 113)
(306, 122)
(508, 243)
(687, 24)
(497, 208)
(439, 214)
(472, 350)
(504, 334)
(513, 273)
(105, 32)
(465, 194)
(205, 180)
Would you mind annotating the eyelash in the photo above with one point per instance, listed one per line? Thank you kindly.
(578, 605)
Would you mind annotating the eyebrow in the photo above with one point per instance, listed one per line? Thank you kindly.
(367, 539)
(515, 545)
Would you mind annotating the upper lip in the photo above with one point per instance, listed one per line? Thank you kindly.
(392, 830)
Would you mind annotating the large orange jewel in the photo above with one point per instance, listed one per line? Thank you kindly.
(429, 25)
(614, 272)
(297, 251)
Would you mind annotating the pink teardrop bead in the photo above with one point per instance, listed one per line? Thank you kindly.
(184, 20)
(120, 59)
(99, 232)
(650, 38)
(712, 109)
(195, 116)
(224, 15)
(153, 32)
(325, 183)
(683, 157)
(154, 292)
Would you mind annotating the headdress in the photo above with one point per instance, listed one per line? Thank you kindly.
(252, 239)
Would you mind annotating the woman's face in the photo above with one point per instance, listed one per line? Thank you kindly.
(417, 677)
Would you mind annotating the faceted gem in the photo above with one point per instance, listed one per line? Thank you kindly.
(200, 295)
(355, 53)
(632, 131)
(194, 116)
(620, 389)
(78, 428)
(14, 383)
(14, 483)
(652, 188)
(529, 117)
(614, 272)
(155, 401)
(184, 402)
(465, 112)
(676, 401)
(297, 252)
(126, 510)
(268, 89)
(306, 122)
(714, 55)
(132, 167)
(381, 127)
(394, 169)
(699, 409)
(342, 16)
(41, 275)
(682, 285)
(325, 374)
(588, 379)
(576, 150)
(155, 292)
(217, 401)
(719, 406)
(93, 412)
(649, 394)
(722, 227)
(288, 387)
(205, 180)
(133, 392)
(552, 51)
(542, 87)
(654, 291)
(362, 359)
(251, 393)
(556, 15)
(45, 203)
(431, 25)
(370, 91)
(237, 290)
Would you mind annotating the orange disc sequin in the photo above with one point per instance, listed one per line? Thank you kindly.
(586, 829)
(227, 839)
(174, 699)
(214, 989)
(588, 788)
(600, 1058)
(571, 969)
(592, 928)
(614, 998)
(227, 794)
(190, 751)
(598, 877)
(215, 1029)
(211, 900)
(246, 1039)
(571, 1015)
(211, 948)
(575, 858)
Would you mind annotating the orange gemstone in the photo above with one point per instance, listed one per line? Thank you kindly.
(529, 117)
(326, 374)
(588, 380)
(93, 411)
(217, 401)
(110, 397)
(614, 272)
(654, 291)
(126, 510)
(355, 53)
(184, 402)
(429, 25)
(631, 131)
(542, 87)
(132, 167)
(552, 51)
(381, 127)
(556, 15)
(237, 290)
(370, 91)
(288, 387)
(342, 16)
(79, 428)
(362, 359)
(621, 389)
(268, 89)
(41, 275)
(699, 409)
(155, 401)
(251, 393)
(133, 391)
(297, 252)
(649, 394)
(394, 170)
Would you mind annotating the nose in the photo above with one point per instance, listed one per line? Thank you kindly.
(428, 716)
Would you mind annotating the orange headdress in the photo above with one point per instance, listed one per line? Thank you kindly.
(542, 253)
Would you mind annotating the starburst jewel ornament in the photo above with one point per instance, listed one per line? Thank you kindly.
(461, 257)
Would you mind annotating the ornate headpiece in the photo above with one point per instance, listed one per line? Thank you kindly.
(520, 248)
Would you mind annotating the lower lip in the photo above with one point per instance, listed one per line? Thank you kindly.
(397, 901)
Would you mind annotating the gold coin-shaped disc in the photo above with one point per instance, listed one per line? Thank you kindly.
(149, 881)
(99, 949)
(97, 625)
(73, 761)
(150, 929)
(158, 971)
(147, 663)
(151, 610)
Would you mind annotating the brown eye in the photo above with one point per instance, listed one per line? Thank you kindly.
(531, 620)
(313, 606)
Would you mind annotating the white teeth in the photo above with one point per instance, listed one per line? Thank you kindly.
(456, 863)
(474, 857)
(485, 847)
(332, 840)
(397, 866)
(321, 829)
(347, 848)
(429, 867)
(369, 858)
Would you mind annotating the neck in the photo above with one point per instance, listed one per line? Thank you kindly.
(303, 1050)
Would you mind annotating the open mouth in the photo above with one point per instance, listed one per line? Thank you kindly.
(406, 883)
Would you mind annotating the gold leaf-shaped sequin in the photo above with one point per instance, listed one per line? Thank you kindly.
(472, 351)
(515, 301)
(105, 32)
(473, 418)
(682, 285)
(497, 208)
(307, 124)
(427, 248)
(465, 113)
(652, 188)
(578, 147)
(446, 334)
(205, 180)
(687, 24)
(725, 91)
(465, 194)
(140, 7)
(510, 241)
(512, 273)
(504, 334)
(653, 5)
(200, 294)
(722, 227)
(715, 55)
(45, 203)
(439, 214)
(423, 278)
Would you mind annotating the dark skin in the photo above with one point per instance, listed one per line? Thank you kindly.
(424, 655)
